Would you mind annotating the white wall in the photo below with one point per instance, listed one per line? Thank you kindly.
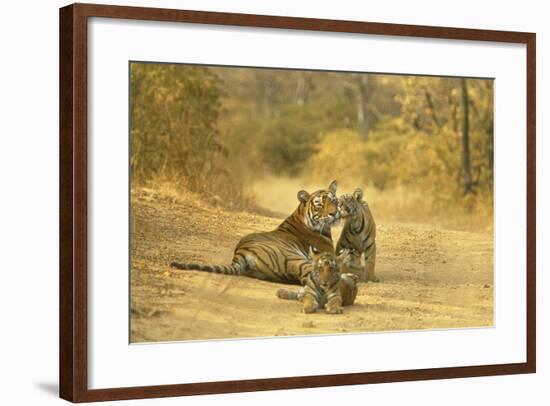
(29, 187)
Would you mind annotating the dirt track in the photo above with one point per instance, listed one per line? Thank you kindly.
(430, 278)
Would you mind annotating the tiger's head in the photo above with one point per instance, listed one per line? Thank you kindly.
(350, 205)
(326, 271)
(321, 207)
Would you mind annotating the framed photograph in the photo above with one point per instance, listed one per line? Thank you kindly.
(255, 202)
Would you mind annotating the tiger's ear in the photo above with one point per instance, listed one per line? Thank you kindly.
(358, 194)
(303, 196)
(332, 187)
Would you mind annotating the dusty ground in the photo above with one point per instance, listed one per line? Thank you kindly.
(430, 278)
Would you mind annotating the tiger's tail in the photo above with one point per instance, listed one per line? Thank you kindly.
(287, 294)
(236, 268)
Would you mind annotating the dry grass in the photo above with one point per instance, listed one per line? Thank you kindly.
(400, 204)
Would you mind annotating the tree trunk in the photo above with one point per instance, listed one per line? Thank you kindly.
(466, 138)
(362, 108)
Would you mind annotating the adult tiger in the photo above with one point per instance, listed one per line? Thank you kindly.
(358, 236)
(282, 255)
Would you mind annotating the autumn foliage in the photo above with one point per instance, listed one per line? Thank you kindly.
(216, 131)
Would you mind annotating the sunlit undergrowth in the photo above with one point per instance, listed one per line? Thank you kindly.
(407, 175)
(421, 148)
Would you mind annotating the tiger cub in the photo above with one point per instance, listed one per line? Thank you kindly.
(358, 236)
(325, 287)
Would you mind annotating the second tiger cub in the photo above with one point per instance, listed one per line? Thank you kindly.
(358, 236)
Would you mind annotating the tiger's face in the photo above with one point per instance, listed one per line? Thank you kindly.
(326, 270)
(322, 207)
(351, 204)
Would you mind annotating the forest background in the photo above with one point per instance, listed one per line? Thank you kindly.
(247, 139)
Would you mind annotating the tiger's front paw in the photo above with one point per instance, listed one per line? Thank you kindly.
(310, 309)
(310, 304)
(335, 310)
(334, 306)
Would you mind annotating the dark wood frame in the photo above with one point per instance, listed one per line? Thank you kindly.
(73, 201)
